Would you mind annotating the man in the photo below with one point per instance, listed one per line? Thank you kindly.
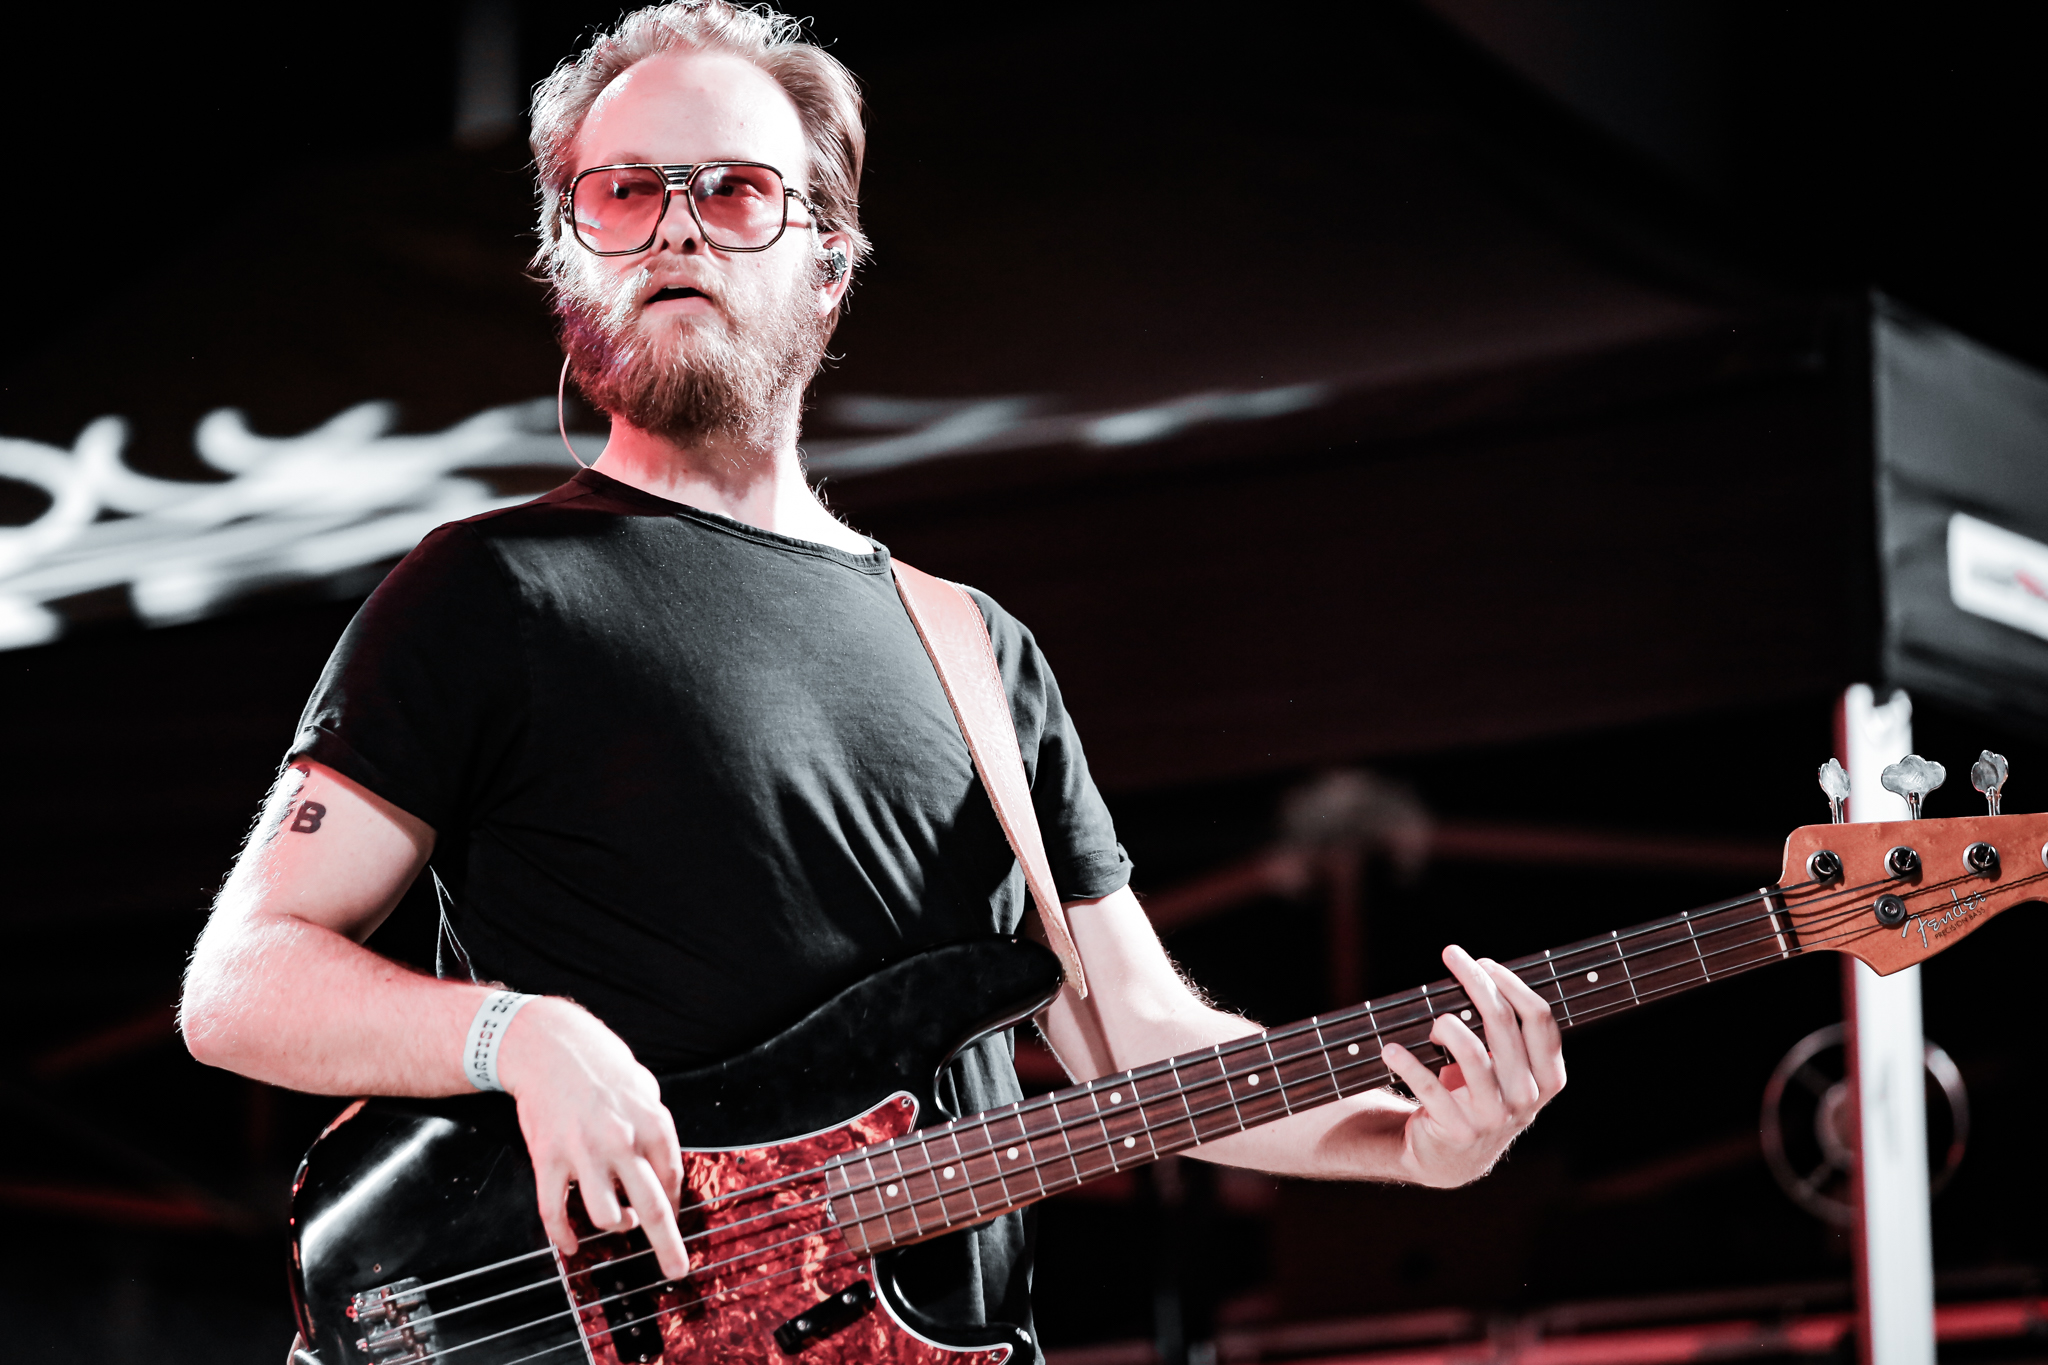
(670, 738)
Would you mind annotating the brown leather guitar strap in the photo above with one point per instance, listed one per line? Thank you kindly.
(956, 637)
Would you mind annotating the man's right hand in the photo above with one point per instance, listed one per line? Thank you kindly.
(593, 1115)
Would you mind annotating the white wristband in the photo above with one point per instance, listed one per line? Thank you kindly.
(486, 1033)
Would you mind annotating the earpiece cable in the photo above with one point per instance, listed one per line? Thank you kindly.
(561, 420)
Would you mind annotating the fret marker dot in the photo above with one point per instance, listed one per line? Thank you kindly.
(1012, 1154)
(890, 1191)
(1466, 1015)
(1116, 1097)
(1253, 1078)
(1130, 1142)
(947, 1173)
(1592, 976)
(1353, 1049)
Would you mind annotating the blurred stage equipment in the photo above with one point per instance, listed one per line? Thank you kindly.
(1808, 1132)
(1887, 1113)
(1962, 499)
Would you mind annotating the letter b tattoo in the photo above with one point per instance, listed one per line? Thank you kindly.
(307, 821)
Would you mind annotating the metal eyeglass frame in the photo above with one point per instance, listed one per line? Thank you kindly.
(678, 177)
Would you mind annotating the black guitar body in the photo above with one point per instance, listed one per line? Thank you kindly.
(415, 1236)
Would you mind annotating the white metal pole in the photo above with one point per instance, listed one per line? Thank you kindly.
(1895, 1251)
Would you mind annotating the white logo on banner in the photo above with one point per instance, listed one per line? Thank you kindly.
(1998, 575)
(345, 495)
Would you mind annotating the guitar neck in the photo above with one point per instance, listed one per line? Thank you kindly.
(972, 1169)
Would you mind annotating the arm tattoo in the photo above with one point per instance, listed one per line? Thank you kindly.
(307, 818)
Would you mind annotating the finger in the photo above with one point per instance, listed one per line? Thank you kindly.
(1482, 1085)
(600, 1200)
(1518, 1088)
(1435, 1098)
(657, 1216)
(1540, 1033)
(552, 1185)
(664, 1154)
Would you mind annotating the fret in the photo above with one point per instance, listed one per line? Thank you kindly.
(1323, 1047)
(899, 1188)
(1303, 1068)
(1621, 956)
(1112, 1151)
(1355, 1065)
(1163, 1112)
(1279, 1081)
(1777, 924)
(1229, 1091)
(1738, 937)
(1557, 987)
(1663, 958)
(882, 1209)
(1254, 1089)
(1094, 1159)
(1204, 1089)
(964, 1188)
(924, 1184)
(890, 1196)
(1008, 1151)
(1188, 1110)
(980, 1162)
(1066, 1146)
(1587, 977)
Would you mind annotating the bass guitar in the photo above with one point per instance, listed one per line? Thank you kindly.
(816, 1155)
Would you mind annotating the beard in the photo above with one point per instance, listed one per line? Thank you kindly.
(732, 382)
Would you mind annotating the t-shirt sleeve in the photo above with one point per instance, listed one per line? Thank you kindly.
(1080, 838)
(423, 697)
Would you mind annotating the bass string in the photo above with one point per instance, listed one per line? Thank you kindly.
(1354, 1083)
(1643, 994)
(1383, 1026)
(847, 1255)
(1369, 1010)
(1376, 1014)
(1583, 1016)
(1639, 995)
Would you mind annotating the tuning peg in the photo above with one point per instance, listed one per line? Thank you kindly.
(1835, 783)
(1913, 777)
(1987, 775)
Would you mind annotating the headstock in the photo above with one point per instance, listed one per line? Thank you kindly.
(1897, 893)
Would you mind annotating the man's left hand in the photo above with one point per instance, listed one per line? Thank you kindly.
(1470, 1111)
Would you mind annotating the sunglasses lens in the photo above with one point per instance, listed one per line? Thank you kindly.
(740, 206)
(616, 210)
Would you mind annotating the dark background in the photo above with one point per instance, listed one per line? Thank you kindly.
(1667, 585)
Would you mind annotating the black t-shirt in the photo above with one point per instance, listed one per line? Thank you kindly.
(699, 777)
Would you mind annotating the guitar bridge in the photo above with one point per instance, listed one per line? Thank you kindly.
(398, 1327)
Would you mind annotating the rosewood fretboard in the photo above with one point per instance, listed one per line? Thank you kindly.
(971, 1169)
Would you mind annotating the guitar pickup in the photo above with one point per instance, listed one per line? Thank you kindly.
(626, 1287)
(825, 1318)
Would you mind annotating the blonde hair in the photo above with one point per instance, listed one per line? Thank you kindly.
(826, 96)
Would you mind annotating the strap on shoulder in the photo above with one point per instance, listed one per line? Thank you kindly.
(950, 624)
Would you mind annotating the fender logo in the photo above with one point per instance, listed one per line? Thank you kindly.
(1945, 922)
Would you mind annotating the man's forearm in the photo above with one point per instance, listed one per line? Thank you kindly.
(1140, 1010)
(293, 1004)
(1350, 1139)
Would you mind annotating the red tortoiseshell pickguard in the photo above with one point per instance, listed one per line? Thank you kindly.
(757, 1260)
